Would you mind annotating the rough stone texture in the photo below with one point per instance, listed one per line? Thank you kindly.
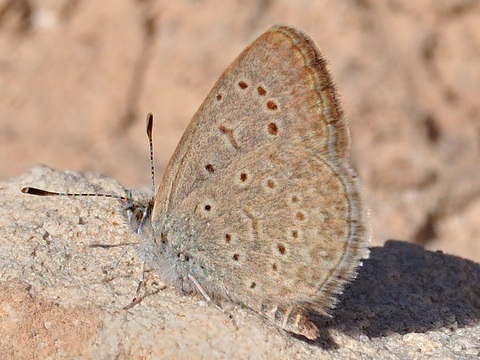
(78, 78)
(64, 285)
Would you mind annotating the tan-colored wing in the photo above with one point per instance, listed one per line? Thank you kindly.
(259, 191)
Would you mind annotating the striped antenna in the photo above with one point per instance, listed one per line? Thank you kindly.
(128, 197)
(41, 192)
(150, 143)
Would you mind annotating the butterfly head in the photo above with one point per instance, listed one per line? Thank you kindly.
(138, 213)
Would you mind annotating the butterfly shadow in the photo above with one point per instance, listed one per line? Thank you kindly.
(403, 288)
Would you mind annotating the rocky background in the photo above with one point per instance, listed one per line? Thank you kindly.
(77, 78)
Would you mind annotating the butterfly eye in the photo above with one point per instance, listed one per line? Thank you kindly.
(137, 215)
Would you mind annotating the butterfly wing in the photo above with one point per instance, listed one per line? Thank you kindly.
(259, 197)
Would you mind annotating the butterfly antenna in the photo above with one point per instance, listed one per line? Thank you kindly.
(150, 142)
(128, 197)
(41, 192)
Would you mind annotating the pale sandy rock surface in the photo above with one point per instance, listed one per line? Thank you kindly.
(64, 286)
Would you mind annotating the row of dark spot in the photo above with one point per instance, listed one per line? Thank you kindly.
(272, 130)
(299, 215)
(261, 91)
(272, 126)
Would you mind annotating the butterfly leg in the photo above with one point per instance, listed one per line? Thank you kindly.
(203, 292)
(209, 299)
(199, 287)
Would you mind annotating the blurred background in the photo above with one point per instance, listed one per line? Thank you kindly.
(78, 77)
